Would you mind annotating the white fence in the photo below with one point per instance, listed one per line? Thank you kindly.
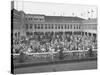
(73, 51)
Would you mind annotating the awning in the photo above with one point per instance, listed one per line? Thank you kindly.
(91, 31)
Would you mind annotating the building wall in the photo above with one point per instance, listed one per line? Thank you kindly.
(16, 19)
(39, 23)
(90, 25)
(54, 27)
(18, 22)
(45, 26)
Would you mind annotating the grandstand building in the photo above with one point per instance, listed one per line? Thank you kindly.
(42, 23)
(17, 22)
(37, 23)
(90, 26)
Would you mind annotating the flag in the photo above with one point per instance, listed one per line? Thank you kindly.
(73, 14)
(92, 10)
(81, 14)
(88, 12)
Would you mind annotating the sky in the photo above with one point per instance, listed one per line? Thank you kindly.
(56, 9)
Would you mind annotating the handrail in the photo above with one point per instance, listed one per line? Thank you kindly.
(54, 52)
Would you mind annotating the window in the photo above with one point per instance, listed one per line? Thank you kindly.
(68, 26)
(41, 19)
(74, 27)
(35, 27)
(41, 26)
(25, 18)
(38, 26)
(35, 18)
(79, 27)
(30, 18)
(48, 26)
(55, 26)
(65, 26)
(59, 26)
(45, 26)
(18, 33)
(52, 26)
(15, 34)
(30, 26)
(26, 26)
(71, 26)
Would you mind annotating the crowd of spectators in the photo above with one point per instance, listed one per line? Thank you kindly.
(50, 42)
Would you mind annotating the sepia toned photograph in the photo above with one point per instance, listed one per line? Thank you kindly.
(52, 37)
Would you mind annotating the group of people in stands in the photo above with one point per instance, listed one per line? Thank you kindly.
(53, 43)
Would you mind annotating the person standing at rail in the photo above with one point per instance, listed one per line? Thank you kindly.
(61, 55)
(90, 51)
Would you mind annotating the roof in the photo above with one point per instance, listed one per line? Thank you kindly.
(35, 14)
(62, 19)
(17, 12)
(58, 19)
(94, 20)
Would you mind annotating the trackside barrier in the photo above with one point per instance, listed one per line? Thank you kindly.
(54, 55)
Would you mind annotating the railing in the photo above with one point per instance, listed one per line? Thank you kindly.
(69, 55)
(55, 52)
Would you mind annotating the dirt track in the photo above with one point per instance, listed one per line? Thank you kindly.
(58, 67)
